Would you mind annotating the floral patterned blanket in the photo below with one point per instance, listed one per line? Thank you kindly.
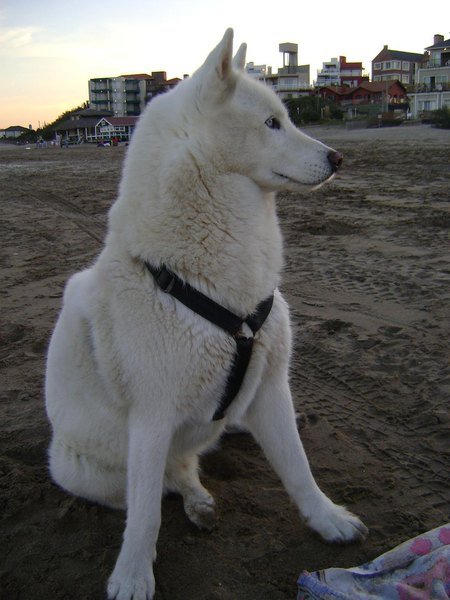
(418, 569)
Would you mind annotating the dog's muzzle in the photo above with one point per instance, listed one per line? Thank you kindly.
(335, 159)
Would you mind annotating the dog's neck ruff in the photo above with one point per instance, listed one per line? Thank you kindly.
(223, 318)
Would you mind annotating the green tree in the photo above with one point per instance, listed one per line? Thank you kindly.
(311, 109)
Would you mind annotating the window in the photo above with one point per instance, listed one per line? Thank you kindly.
(396, 64)
(377, 66)
(426, 105)
(387, 64)
(405, 65)
(377, 78)
(405, 78)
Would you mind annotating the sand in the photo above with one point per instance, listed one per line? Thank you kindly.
(367, 275)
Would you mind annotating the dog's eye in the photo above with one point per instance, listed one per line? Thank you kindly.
(273, 123)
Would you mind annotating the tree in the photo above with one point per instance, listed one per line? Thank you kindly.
(311, 109)
(305, 109)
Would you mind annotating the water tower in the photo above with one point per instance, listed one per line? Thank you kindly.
(290, 52)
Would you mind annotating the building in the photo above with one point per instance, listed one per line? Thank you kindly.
(89, 126)
(391, 65)
(120, 128)
(159, 84)
(127, 95)
(14, 131)
(122, 96)
(80, 126)
(432, 89)
(340, 72)
(290, 85)
(291, 80)
(369, 98)
(258, 71)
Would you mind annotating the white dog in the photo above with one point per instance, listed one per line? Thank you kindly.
(136, 379)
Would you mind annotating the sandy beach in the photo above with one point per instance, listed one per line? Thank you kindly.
(367, 276)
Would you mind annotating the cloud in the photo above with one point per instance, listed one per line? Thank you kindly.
(17, 37)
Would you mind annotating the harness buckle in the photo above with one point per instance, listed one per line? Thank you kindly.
(165, 280)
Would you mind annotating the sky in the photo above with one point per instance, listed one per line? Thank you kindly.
(49, 49)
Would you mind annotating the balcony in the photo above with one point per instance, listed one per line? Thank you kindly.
(432, 87)
(437, 64)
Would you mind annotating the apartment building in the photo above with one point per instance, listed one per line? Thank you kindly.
(127, 95)
(434, 72)
(337, 72)
(124, 95)
(432, 89)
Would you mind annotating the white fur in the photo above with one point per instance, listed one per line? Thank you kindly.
(133, 376)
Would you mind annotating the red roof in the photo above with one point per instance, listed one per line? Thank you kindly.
(339, 90)
(378, 86)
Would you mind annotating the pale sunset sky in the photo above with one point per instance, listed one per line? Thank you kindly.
(49, 49)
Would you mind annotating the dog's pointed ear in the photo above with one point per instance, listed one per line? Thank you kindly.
(239, 57)
(216, 77)
(223, 55)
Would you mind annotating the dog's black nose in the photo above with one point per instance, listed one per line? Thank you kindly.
(335, 159)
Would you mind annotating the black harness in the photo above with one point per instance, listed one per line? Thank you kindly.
(223, 318)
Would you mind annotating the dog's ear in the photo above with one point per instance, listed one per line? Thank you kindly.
(216, 77)
(239, 57)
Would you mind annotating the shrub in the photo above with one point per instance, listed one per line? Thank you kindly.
(441, 118)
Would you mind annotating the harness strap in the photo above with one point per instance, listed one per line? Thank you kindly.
(195, 300)
(223, 318)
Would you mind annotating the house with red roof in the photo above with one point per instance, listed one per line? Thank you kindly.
(115, 128)
(377, 96)
(89, 125)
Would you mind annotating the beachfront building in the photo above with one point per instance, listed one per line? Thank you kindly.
(432, 90)
(159, 84)
(396, 65)
(291, 80)
(91, 126)
(339, 72)
(14, 131)
(115, 128)
(127, 95)
(121, 96)
(369, 98)
(79, 126)
(257, 71)
(290, 85)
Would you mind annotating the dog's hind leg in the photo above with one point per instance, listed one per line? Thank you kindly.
(182, 476)
(82, 476)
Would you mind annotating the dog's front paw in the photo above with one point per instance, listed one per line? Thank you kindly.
(335, 523)
(131, 585)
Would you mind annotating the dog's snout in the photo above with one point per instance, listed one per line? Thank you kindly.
(335, 159)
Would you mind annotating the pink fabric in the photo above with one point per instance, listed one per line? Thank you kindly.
(418, 569)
